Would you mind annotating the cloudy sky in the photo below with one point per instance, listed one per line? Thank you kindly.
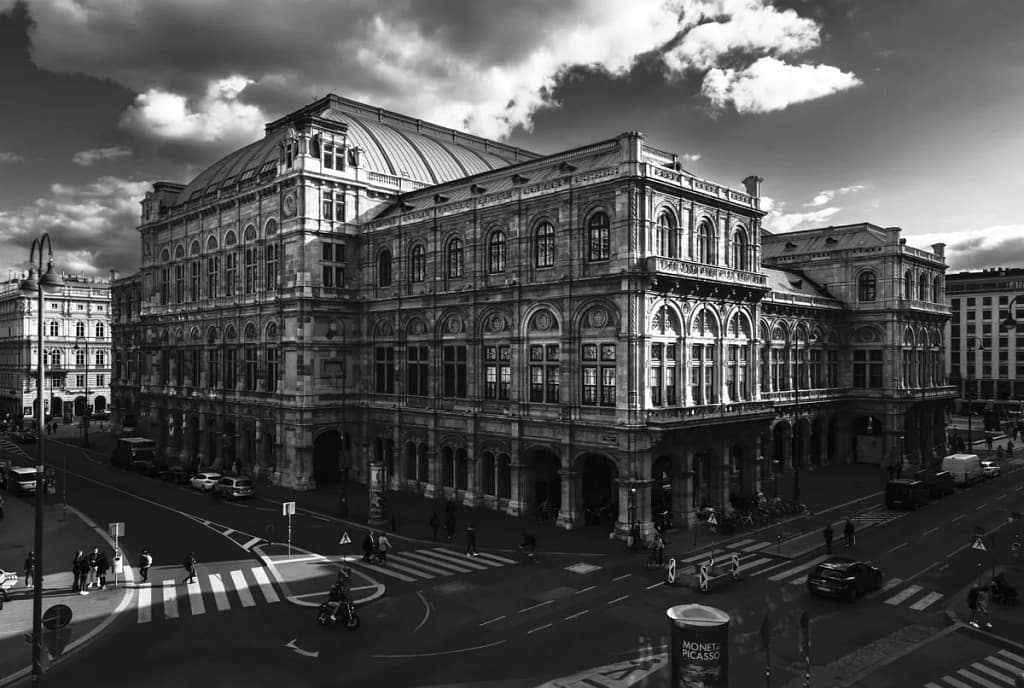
(906, 112)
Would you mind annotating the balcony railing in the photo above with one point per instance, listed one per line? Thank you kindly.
(809, 396)
(712, 412)
(686, 268)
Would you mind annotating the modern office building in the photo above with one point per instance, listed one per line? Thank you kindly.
(76, 353)
(986, 350)
(596, 327)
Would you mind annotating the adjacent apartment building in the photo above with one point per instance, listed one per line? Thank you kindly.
(595, 329)
(76, 351)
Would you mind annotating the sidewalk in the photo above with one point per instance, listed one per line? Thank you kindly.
(1007, 621)
(91, 613)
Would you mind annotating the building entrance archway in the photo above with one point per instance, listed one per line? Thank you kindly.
(661, 487)
(326, 453)
(99, 404)
(543, 483)
(230, 439)
(599, 488)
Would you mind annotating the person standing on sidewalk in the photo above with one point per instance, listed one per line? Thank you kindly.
(145, 561)
(82, 562)
(449, 521)
(368, 544)
(30, 569)
(828, 538)
(471, 541)
(94, 558)
(435, 524)
(980, 606)
(849, 534)
(102, 566)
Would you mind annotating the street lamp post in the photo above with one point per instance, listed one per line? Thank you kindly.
(79, 341)
(970, 410)
(796, 431)
(37, 283)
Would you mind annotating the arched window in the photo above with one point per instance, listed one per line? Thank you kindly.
(101, 332)
(79, 329)
(417, 263)
(922, 288)
(908, 285)
(740, 257)
(54, 329)
(937, 290)
(101, 359)
(544, 245)
(455, 258)
(384, 268)
(867, 287)
(599, 237)
(195, 272)
(665, 237)
(230, 264)
(270, 256)
(55, 358)
(496, 253)
(212, 270)
(251, 259)
(79, 358)
(705, 243)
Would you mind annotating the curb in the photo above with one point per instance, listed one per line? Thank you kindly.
(297, 599)
(856, 678)
(92, 634)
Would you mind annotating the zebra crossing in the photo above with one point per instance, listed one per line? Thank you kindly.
(895, 592)
(863, 521)
(997, 670)
(224, 590)
(429, 563)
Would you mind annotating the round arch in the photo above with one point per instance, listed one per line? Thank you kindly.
(543, 482)
(598, 487)
(80, 406)
(326, 458)
(99, 404)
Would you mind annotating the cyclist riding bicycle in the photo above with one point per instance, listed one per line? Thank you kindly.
(340, 591)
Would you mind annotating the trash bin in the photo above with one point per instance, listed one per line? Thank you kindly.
(118, 564)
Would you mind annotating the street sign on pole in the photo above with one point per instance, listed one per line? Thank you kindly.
(288, 509)
(978, 543)
(57, 617)
(345, 539)
(117, 531)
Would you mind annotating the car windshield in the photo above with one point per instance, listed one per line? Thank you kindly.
(831, 574)
(243, 483)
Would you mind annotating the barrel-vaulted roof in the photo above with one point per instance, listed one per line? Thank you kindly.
(391, 144)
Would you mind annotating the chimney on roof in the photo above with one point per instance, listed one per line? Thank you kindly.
(939, 250)
(753, 185)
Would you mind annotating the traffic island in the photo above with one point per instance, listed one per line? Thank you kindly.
(306, 577)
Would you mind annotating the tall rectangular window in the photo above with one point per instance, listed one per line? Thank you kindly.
(702, 374)
(816, 369)
(455, 371)
(608, 372)
(497, 372)
(736, 372)
(544, 372)
(875, 366)
(860, 369)
(778, 370)
(194, 281)
(270, 252)
(384, 369)
(251, 260)
(273, 368)
(832, 368)
(213, 368)
(417, 370)
(179, 283)
(662, 374)
(212, 277)
(194, 365)
(332, 259)
(657, 356)
(179, 367)
(251, 368)
(165, 286)
(230, 368)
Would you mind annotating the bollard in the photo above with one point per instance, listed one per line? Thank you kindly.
(671, 580)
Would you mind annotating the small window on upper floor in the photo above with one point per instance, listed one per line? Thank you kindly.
(384, 268)
(867, 285)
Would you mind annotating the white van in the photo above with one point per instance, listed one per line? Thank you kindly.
(965, 468)
(21, 480)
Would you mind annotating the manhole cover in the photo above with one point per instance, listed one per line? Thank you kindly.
(582, 567)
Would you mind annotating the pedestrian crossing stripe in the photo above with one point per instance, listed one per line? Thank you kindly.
(1000, 669)
(170, 598)
(427, 564)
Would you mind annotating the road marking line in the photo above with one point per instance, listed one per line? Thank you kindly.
(129, 575)
(252, 543)
(409, 562)
(1001, 496)
(955, 682)
(904, 595)
(487, 555)
(448, 555)
(978, 666)
(542, 604)
(980, 507)
(926, 601)
(797, 569)
(741, 543)
(978, 680)
(404, 567)
(219, 594)
(577, 614)
(652, 587)
(746, 565)
(242, 588)
(957, 518)
(930, 530)
(625, 575)
(1013, 657)
(265, 586)
(228, 532)
(384, 570)
(170, 600)
(195, 598)
(539, 628)
(1003, 665)
(899, 546)
(617, 599)
(445, 566)
(443, 652)
(892, 583)
(145, 602)
(591, 587)
(754, 548)
(497, 618)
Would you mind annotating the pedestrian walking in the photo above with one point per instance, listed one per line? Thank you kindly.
(383, 546)
(94, 557)
(82, 571)
(30, 569)
(828, 533)
(102, 566)
(977, 600)
(190, 565)
(435, 524)
(449, 524)
(1009, 448)
(471, 541)
(658, 548)
(849, 534)
(145, 561)
(368, 543)
(988, 442)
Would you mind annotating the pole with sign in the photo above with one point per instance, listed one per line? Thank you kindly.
(978, 544)
(288, 509)
(116, 531)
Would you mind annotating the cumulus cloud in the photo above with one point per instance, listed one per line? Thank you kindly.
(89, 157)
(690, 157)
(770, 85)
(825, 197)
(483, 65)
(92, 226)
(978, 247)
(778, 221)
(8, 157)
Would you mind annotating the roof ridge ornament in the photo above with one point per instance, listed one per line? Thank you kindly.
(477, 189)
(519, 179)
(439, 199)
(566, 167)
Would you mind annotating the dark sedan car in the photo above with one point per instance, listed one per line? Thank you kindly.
(25, 436)
(177, 475)
(844, 577)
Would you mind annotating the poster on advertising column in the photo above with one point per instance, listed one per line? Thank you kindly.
(700, 646)
(376, 491)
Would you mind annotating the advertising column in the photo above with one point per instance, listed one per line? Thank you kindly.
(700, 646)
(377, 506)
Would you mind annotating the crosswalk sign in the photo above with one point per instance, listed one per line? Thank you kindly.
(979, 544)
(712, 519)
(345, 539)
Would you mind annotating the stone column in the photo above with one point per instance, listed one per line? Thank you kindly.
(472, 493)
(201, 429)
(184, 445)
(569, 515)
(520, 494)
(431, 488)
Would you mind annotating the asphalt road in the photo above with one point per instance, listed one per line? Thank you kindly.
(496, 624)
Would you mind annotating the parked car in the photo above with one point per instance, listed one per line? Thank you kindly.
(990, 469)
(234, 487)
(177, 475)
(906, 494)
(844, 578)
(205, 480)
(25, 436)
